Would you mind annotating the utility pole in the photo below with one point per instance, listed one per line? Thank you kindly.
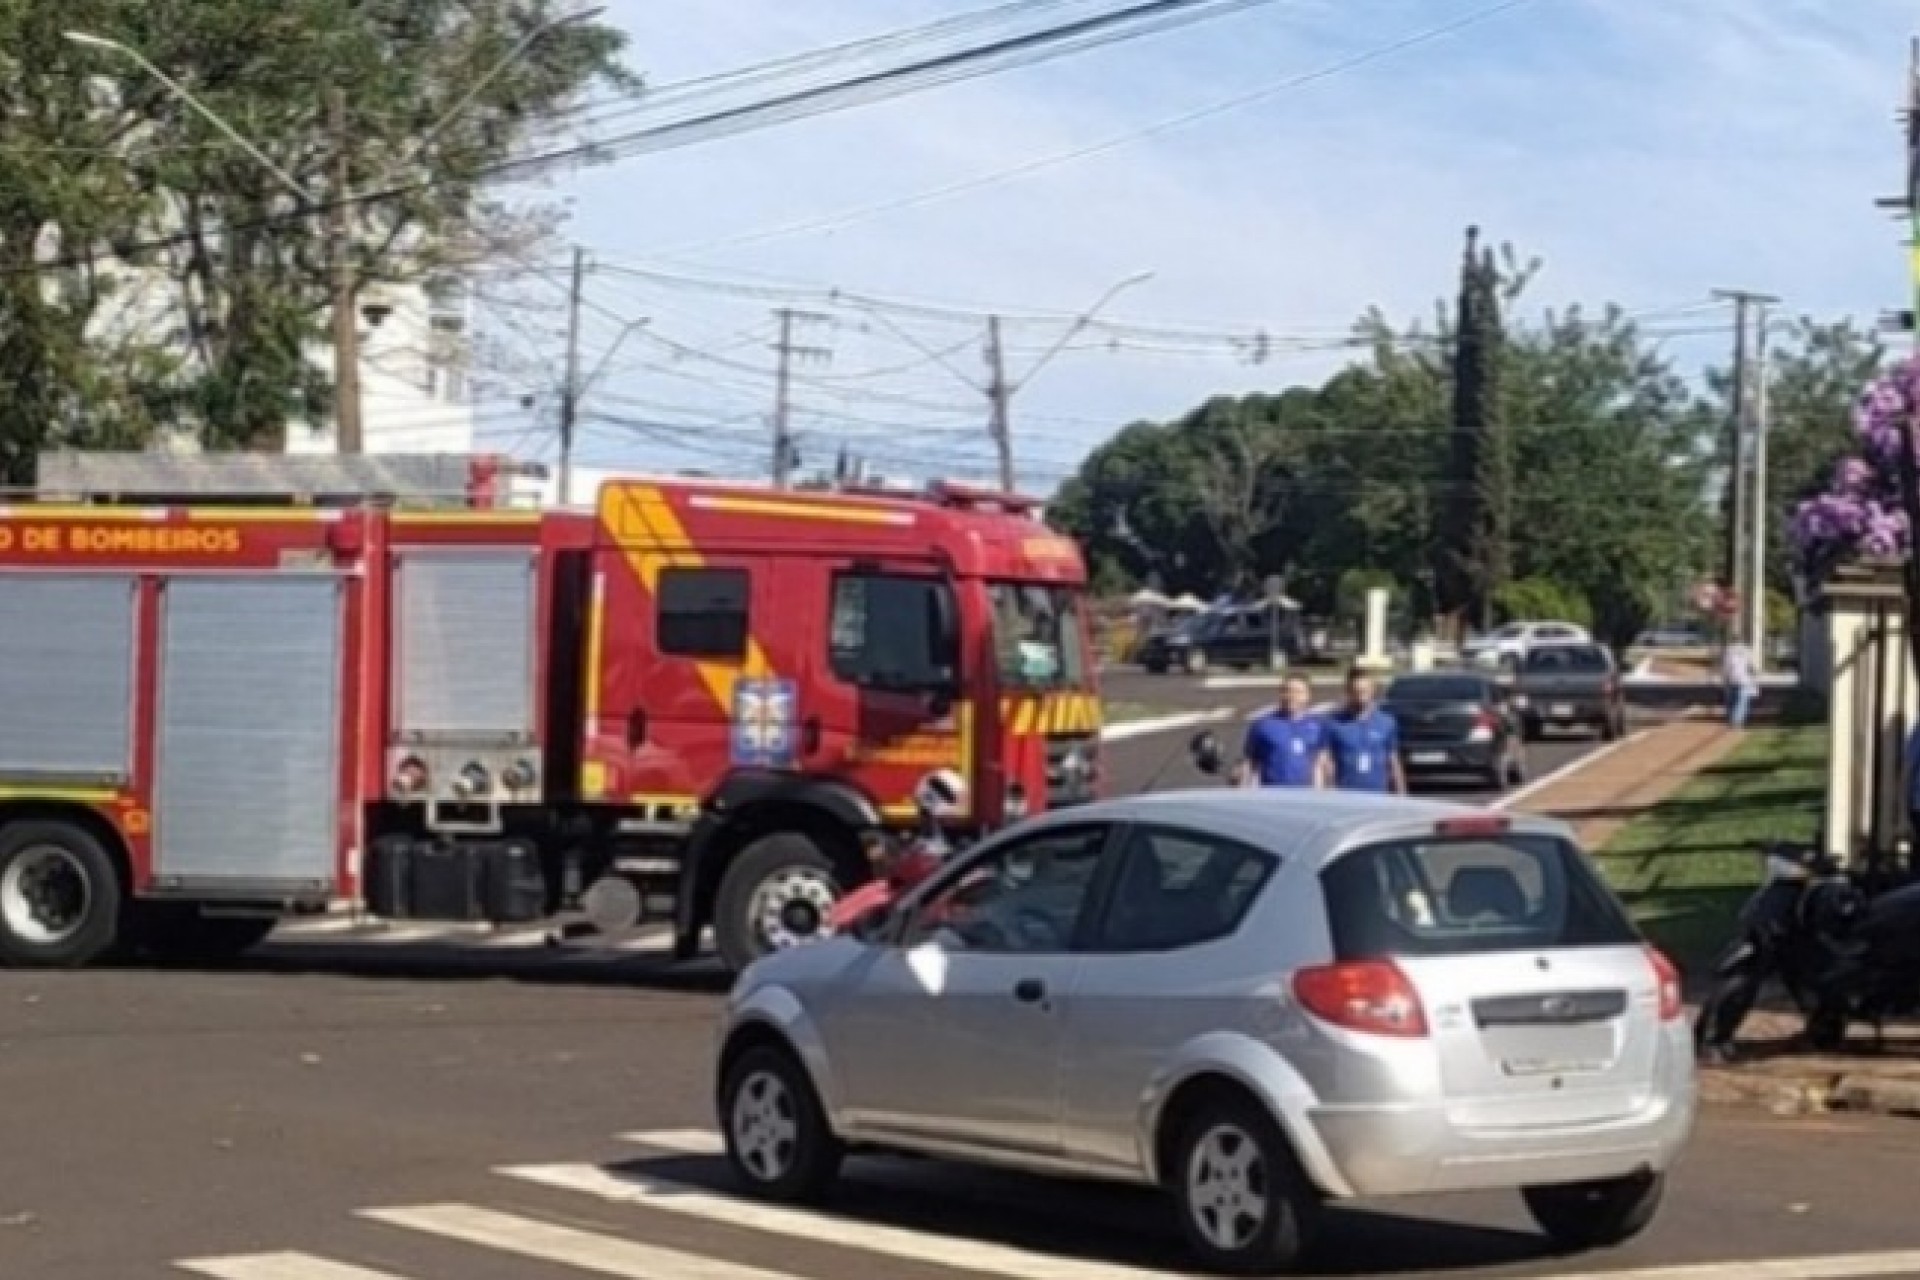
(346, 319)
(570, 390)
(999, 394)
(783, 451)
(1735, 561)
(1747, 531)
(783, 404)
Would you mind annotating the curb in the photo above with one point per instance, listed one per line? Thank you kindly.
(1813, 1093)
(1567, 770)
(1163, 724)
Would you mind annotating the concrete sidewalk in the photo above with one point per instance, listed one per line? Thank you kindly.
(1613, 786)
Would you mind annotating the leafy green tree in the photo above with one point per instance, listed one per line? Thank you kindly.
(1542, 598)
(110, 160)
(1474, 548)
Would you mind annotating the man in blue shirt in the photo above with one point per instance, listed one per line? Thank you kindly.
(1363, 742)
(1285, 746)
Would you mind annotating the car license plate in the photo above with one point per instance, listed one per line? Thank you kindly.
(1562, 709)
(1428, 757)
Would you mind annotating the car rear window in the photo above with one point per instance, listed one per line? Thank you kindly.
(1569, 657)
(1461, 896)
(1436, 690)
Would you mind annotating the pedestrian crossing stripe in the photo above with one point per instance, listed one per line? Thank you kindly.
(559, 1247)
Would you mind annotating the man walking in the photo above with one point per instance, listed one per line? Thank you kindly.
(1741, 683)
(1363, 742)
(1284, 746)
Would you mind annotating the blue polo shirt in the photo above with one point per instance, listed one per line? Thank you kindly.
(1285, 748)
(1362, 747)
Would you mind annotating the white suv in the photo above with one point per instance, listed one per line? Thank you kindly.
(1514, 639)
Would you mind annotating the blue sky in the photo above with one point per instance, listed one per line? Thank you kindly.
(1649, 150)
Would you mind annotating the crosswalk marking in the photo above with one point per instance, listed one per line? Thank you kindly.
(679, 1142)
(566, 1246)
(281, 1266)
(864, 1236)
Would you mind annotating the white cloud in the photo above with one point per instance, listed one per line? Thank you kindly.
(1650, 150)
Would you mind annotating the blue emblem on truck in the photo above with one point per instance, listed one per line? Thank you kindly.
(765, 715)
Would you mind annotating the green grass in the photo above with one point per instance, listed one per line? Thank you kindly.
(1687, 864)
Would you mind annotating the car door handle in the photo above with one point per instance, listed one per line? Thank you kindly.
(1030, 991)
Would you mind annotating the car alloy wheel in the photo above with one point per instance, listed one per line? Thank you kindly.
(1246, 1208)
(1227, 1188)
(777, 1135)
(766, 1130)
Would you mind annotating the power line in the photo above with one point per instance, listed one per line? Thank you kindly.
(1112, 143)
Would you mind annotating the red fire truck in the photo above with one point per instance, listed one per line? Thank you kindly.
(704, 701)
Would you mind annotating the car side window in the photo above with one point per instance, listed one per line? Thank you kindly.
(1027, 898)
(1177, 888)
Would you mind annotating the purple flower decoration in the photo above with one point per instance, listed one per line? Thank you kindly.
(1862, 515)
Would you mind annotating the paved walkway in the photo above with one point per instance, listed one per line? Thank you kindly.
(1610, 789)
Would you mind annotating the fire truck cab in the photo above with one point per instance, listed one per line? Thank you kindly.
(700, 704)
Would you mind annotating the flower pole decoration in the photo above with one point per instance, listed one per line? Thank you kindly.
(1870, 505)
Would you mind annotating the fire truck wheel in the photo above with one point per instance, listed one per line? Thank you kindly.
(179, 932)
(59, 896)
(776, 895)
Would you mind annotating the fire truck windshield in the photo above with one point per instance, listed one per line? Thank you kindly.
(1038, 636)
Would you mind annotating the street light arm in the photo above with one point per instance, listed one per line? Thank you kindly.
(200, 108)
(498, 69)
(1086, 318)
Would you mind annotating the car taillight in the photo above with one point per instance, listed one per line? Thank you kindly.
(1370, 996)
(1668, 978)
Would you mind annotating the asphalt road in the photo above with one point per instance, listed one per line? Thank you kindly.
(450, 1129)
(427, 1104)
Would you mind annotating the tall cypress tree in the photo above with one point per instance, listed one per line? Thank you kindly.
(1475, 545)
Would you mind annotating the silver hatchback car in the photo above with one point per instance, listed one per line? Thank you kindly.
(1261, 1001)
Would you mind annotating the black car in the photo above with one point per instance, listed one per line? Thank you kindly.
(1569, 686)
(1240, 637)
(1457, 722)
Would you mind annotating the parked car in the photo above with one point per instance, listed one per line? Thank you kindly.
(1516, 638)
(1566, 686)
(1457, 722)
(1240, 636)
(1258, 1000)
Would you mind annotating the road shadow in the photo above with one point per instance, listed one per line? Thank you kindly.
(451, 963)
(1096, 1222)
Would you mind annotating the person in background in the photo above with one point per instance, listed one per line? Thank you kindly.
(1363, 742)
(1285, 746)
(1738, 682)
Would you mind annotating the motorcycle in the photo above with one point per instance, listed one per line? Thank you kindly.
(1844, 950)
(914, 860)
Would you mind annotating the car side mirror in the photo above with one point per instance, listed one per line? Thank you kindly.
(1205, 750)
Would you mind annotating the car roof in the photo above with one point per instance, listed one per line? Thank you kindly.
(1290, 821)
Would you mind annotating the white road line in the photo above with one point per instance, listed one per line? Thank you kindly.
(564, 1246)
(680, 1142)
(1162, 724)
(1844, 1266)
(280, 1266)
(865, 1236)
(1566, 770)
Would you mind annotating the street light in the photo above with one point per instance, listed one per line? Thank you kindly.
(346, 334)
(1086, 318)
(1000, 392)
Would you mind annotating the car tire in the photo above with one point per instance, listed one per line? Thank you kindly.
(778, 1141)
(61, 899)
(1596, 1215)
(1215, 1199)
(752, 887)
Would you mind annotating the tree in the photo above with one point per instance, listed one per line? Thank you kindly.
(245, 281)
(1474, 544)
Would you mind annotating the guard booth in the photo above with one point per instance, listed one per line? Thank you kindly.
(1862, 661)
